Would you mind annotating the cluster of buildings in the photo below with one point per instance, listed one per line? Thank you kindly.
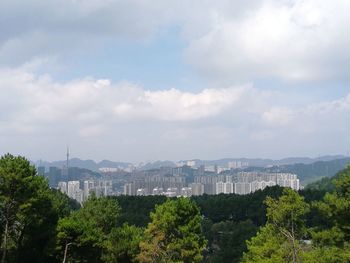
(239, 183)
(81, 194)
(187, 179)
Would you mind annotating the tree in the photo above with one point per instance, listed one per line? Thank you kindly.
(87, 229)
(15, 175)
(174, 234)
(227, 240)
(330, 240)
(122, 244)
(336, 205)
(29, 211)
(280, 239)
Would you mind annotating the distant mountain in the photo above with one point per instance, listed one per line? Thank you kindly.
(286, 163)
(258, 162)
(86, 164)
(308, 173)
(156, 165)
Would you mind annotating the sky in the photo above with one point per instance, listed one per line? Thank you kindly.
(142, 80)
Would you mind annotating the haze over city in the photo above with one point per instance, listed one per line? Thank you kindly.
(174, 80)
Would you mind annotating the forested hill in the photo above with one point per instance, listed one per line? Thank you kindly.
(308, 173)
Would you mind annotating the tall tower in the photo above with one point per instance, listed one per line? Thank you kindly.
(65, 173)
(67, 162)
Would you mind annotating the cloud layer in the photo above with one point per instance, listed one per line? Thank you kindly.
(162, 124)
(298, 40)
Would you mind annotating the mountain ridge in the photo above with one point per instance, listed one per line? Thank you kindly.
(256, 162)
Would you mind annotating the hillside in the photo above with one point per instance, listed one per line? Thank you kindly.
(308, 173)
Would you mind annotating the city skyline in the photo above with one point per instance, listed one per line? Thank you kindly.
(164, 80)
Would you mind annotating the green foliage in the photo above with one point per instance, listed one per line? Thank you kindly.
(324, 184)
(231, 207)
(329, 254)
(266, 247)
(174, 235)
(227, 240)
(29, 212)
(37, 224)
(287, 213)
(135, 210)
(122, 244)
(87, 229)
(280, 239)
(334, 235)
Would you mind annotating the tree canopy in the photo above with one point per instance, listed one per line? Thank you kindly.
(174, 234)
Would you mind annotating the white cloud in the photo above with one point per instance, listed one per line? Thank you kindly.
(162, 124)
(87, 100)
(278, 116)
(294, 40)
(300, 40)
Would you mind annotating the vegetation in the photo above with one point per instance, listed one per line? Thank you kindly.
(174, 235)
(39, 224)
(280, 240)
(286, 238)
(29, 212)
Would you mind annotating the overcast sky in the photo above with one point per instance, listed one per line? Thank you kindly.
(139, 80)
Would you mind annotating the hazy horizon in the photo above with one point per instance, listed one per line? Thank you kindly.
(336, 156)
(174, 80)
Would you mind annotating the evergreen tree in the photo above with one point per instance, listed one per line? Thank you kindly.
(280, 239)
(28, 212)
(82, 235)
(174, 235)
(330, 241)
(122, 244)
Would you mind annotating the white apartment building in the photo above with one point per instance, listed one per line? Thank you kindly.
(228, 188)
(62, 186)
(243, 188)
(261, 185)
(73, 188)
(219, 188)
(224, 188)
(88, 188)
(128, 189)
(197, 189)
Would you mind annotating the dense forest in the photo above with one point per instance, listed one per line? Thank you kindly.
(40, 224)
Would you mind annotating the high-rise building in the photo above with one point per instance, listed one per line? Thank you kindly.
(62, 186)
(79, 196)
(224, 188)
(197, 189)
(242, 188)
(129, 189)
(201, 170)
(228, 188)
(73, 188)
(219, 189)
(88, 188)
(55, 176)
